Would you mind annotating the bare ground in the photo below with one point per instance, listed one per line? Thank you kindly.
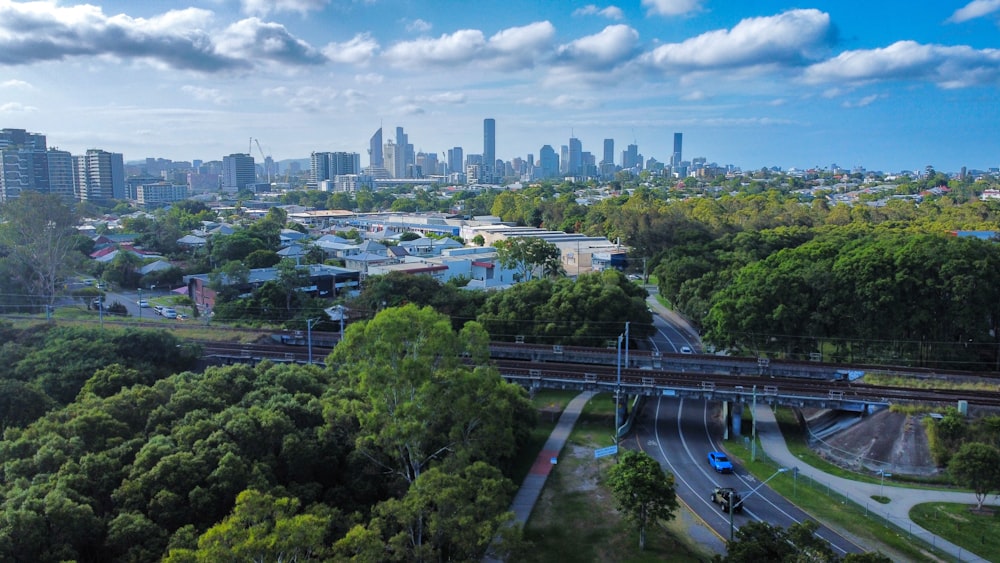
(884, 440)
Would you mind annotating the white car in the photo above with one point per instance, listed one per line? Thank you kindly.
(686, 350)
(169, 313)
(143, 303)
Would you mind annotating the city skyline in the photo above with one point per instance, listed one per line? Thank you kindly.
(881, 86)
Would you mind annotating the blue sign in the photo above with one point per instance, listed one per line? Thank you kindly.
(604, 452)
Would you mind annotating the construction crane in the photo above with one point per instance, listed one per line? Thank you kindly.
(267, 168)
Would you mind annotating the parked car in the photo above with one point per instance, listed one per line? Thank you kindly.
(726, 497)
(168, 313)
(720, 462)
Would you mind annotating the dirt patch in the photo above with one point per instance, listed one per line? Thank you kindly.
(585, 475)
(885, 440)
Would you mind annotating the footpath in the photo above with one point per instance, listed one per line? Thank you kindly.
(531, 488)
(901, 499)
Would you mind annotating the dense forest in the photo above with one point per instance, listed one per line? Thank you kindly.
(393, 449)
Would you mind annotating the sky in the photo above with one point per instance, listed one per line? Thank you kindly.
(886, 85)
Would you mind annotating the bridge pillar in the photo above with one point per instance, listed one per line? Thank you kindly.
(737, 419)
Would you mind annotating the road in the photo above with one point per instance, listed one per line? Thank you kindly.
(670, 336)
(679, 434)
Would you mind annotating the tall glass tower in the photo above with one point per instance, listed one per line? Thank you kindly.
(489, 148)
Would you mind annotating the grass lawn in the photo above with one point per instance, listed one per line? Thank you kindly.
(961, 525)
(816, 500)
(575, 518)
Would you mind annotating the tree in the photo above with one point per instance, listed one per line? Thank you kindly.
(406, 367)
(529, 255)
(262, 528)
(444, 516)
(643, 491)
(760, 541)
(977, 466)
(39, 233)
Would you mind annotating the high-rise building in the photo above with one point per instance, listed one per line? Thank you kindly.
(238, 172)
(23, 163)
(606, 168)
(61, 177)
(375, 159)
(631, 158)
(609, 151)
(100, 176)
(564, 160)
(575, 157)
(675, 160)
(548, 162)
(328, 165)
(456, 159)
(489, 171)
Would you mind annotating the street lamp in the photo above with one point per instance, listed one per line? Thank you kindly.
(881, 487)
(140, 305)
(309, 339)
(618, 385)
(732, 505)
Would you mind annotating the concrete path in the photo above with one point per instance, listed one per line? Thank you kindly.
(533, 484)
(902, 499)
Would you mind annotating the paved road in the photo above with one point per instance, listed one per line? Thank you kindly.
(679, 434)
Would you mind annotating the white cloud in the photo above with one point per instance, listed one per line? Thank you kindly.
(358, 51)
(419, 26)
(264, 7)
(611, 12)
(672, 7)
(16, 85)
(452, 98)
(563, 101)
(15, 107)
(947, 66)
(695, 96)
(370, 79)
(32, 32)
(973, 10)
(613, 45)
(308, 99)
(212, 95)
(790, 38)
(510, 48)
(257, 40)
(863, 102)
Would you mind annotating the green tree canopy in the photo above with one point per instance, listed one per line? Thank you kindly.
(643, 491)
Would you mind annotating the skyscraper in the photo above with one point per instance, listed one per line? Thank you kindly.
(60, 165)
(675, 160)
(548, 162)
(237, 172)
(100, 175)
(375, 159)
(23, 163)
(630, 157)
(456, 160)
(606, 167)
(575, 167)
(489, 150)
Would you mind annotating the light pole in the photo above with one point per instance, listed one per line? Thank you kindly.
(732, 505)
(881, 487)
(140, 305)
(309, 338)
(618, 390)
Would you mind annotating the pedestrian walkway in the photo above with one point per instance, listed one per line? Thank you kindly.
(531, 488)
(902, 499)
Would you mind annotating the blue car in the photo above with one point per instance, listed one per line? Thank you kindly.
(720, 462)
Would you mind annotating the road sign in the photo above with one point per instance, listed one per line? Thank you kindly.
(604, 452)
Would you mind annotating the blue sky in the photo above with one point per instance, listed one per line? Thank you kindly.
(887, 85)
